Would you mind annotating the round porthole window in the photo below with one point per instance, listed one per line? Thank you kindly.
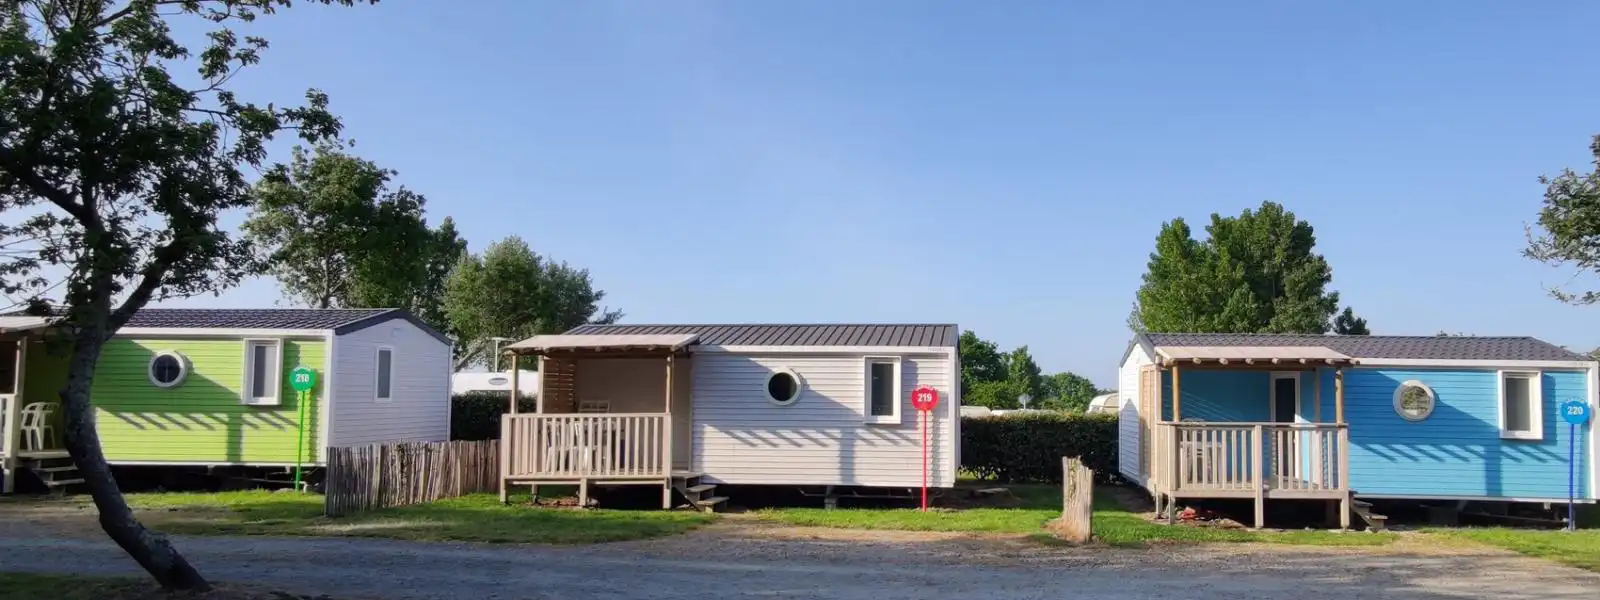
(168, 369)
(783, 387)
(1414, 400)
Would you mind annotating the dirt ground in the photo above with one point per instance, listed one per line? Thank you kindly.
(744, 557)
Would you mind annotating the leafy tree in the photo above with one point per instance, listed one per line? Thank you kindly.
(981, 361)
(1347, 323)
(1569, 227)
(335, 236)
(1254, 273)
(993, 394)
(510, 291)
(1024, 374)
(1068, 391)
(114, 173)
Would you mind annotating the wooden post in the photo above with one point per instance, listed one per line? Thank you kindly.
(1177, 396)
(1338, 396)
(1255, 479)
(515, 390)
(1077, 501)
(13, 416)
(1344, 476)
(506, 437)
(666, 425)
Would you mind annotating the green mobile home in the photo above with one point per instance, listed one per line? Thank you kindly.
(208, 387)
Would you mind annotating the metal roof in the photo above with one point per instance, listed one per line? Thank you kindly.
(543, 343)
(1381, 346)
(1245, 353)
(339, 320)
(793, 335)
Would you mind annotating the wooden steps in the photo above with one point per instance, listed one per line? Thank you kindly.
(689, 486)
(56, 473)
(1363, 510)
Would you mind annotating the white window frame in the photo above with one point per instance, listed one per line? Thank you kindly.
(1433, 400)
(1535, 396)
(377, 371)
(799, 387)
(183, 369)
(245, 395)
(866, 390)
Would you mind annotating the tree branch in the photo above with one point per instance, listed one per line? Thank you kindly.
(149, 279)
(13, 166)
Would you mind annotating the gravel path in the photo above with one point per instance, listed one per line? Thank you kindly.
(744, 560)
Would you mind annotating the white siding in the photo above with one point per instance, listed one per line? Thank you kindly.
(419, 410)
(1128, 415)
(742, 438)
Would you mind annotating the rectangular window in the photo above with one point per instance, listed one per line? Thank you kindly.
(385, 383)
(883, 391)
(261, 373)
(1521, 406)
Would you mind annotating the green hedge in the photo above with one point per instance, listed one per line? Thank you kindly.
(476, 415)
(1027, 447)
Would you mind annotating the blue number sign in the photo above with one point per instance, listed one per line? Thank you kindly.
(1576, 414)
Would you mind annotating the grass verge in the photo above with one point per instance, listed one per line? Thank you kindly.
(1113, 524)
(475, 518)
(1578, 548)
(37, 586)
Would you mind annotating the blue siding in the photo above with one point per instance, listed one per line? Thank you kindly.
(1456, 451)
(1218, 396)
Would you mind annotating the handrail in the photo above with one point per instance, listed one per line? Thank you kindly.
(1234, 458)
(585, 445)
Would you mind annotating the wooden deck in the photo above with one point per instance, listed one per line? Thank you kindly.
(1256, 461)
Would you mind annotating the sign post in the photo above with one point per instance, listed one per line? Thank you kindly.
(302, 379)
(924, 398)
(1575, 413)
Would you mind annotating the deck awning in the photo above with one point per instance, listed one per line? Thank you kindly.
(19, 323)
(1252, 355)
(546, 344)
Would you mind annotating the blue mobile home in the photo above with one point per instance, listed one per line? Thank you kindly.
(1336, 418)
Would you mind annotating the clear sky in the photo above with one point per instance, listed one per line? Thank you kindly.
(1001, 165)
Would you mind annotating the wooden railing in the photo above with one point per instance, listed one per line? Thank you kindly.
(585, 446)
(6, 440)
(1238, 459)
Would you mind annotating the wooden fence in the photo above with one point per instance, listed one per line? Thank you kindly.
(361, 478)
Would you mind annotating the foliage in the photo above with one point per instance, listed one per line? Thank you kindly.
(1068, 391)
(114, 173)
(476, 415)
(993, 394)
(1027, 447)
(1579, 548)
(330, 230)
(510, 291)
(1024, 375)
(1347, 323)
(981, 361)
(1568, 231)
(1254, 273)
(475, 518)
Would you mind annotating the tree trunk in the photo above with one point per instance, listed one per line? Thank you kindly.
(152, 550)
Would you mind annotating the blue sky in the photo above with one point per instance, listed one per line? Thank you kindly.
(1003, 166)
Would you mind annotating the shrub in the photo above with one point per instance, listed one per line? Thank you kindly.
(1027, 447)
(476, 415)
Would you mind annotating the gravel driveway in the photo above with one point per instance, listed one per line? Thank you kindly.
(746, 560)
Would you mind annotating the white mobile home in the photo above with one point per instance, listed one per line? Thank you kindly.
(691, 406)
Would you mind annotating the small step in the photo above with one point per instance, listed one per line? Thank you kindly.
(710, 504)
(686, 474)
(701, 488)
(1359, 503)
(55, 469)
(62, 482)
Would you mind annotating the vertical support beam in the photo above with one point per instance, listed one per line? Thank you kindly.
(1177, 396)
(583, 493)
(1255, 477)
(666, 426)
(1344, 477)
(515, 383)
(13, 416)
(507, 437)
(1338, 396)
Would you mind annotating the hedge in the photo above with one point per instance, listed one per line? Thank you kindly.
(1027, 447)
(476, 415)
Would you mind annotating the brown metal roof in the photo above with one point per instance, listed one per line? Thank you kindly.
(652, 342)
(793, 335)
(1381, 346)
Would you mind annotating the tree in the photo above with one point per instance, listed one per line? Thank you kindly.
(114, 173)
(510, 291)
(1068, 391)
(1568, 231)
(335, 236)
(1024, 374)
(1347, 323)
(1254, 273)
(981, 361)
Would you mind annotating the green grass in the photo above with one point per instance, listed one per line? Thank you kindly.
(1579, 548)
(476, 518)
(1113, 524)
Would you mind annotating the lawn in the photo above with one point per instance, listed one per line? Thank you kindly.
(1113, 524)
(1579, 548)
(31, 586)
(476, 518)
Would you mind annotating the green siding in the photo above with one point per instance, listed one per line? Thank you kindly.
(202, 419)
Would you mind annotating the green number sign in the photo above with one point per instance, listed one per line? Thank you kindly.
(302, 379)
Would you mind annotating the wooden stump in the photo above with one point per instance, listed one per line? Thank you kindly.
(1077, 501)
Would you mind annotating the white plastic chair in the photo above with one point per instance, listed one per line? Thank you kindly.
(38, 428)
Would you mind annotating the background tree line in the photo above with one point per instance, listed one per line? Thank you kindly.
(335, 234)
(997, 379)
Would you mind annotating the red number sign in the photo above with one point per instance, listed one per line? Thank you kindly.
(924, 398)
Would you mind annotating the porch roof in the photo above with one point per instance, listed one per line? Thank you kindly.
(1252, 354)
(545, 344)
(15, 323)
